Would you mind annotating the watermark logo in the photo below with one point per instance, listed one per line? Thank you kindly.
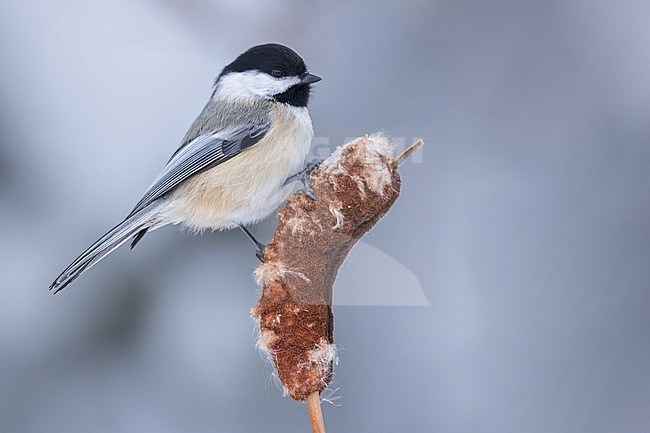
(370, 277)
(322, 147)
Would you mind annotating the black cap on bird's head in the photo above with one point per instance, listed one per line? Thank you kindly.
(269, 71)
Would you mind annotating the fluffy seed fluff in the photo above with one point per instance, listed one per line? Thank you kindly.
(334, 210)
(269, 272)
(374, 150)
(322, 356)
(265, 339)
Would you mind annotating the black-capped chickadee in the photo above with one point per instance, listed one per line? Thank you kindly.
(232, 165)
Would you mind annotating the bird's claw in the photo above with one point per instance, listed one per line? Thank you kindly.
(259, 246)
(260, 252)
(304, 177)
(309, 191)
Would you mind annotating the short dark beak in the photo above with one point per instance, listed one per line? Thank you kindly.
(308, 78)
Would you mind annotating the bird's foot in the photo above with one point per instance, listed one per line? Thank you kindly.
(259, 246)
(304, 177)
(260, 252)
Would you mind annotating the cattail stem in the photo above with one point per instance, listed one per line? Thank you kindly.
(315, 413)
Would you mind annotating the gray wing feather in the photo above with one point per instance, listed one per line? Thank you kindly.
(146, 219)
(202, 153)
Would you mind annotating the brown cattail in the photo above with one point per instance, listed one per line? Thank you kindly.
(355, 187)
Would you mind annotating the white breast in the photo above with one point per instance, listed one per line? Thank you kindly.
(248, 187)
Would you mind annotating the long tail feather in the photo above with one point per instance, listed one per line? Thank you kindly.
(147, 218)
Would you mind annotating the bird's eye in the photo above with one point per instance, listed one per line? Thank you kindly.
(277, 73)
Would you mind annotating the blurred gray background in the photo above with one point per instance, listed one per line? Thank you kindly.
(525, 221)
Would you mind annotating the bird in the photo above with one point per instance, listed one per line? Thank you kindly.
(236, 163)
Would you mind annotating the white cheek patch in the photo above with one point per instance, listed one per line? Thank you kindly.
(252, 85)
